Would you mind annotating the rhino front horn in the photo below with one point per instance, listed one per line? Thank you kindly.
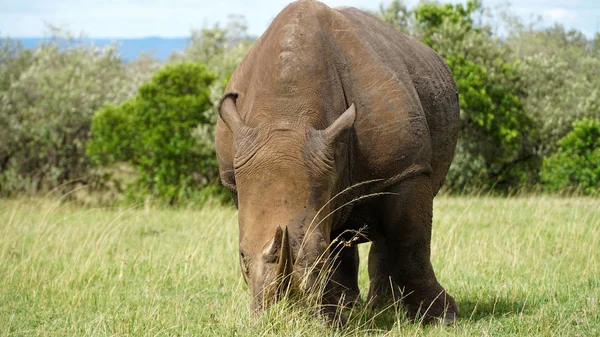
(284, 267)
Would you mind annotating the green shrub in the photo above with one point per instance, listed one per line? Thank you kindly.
(153, 133)
(495, 149)
(576, 165)
(48, 98)
(553, 108)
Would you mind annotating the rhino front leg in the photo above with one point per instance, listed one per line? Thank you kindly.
(343, 283)
(406, 222)
(341, 289)
(382, 289)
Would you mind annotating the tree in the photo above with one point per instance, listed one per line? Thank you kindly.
(561, 74)
(496, 134)
(153, 133)
(221, 49)
(575, 166)
(14, 60)
(48, 98)
(396, 14)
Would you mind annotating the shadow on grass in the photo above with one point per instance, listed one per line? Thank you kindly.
(470, 310)
(364, 319)
(486, 308)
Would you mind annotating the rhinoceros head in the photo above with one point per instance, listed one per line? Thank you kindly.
(285, 174)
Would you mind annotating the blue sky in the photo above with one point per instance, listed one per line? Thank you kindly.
(175, 18)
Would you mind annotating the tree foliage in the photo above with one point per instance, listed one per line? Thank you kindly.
(496, 132)
(576, 164)
(527, 97)
(221, 49)
(49, 95)
(519, 93)
(48, 98)
(561, 74)
(153, 133)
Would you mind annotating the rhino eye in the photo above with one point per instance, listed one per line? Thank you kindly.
(243, 264)
(270, 258)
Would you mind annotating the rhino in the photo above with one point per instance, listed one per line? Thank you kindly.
(337, 128)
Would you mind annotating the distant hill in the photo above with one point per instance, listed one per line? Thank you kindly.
(131, 48)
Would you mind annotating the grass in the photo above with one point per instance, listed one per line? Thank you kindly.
(523, 266)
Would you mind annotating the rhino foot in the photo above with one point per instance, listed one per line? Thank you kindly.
(332, 314)
(442, 310)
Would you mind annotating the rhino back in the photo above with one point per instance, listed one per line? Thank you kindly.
(413, 96)
(314, 61)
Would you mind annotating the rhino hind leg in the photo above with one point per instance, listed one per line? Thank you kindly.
(406, 222)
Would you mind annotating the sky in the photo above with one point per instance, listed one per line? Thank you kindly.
(176, 18)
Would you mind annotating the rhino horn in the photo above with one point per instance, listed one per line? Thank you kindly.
(284, 267)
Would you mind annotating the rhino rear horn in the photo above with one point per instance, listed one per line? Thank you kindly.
(273, 248)
(229, 113)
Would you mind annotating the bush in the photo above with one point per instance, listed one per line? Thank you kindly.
(48, 97)
(153, 133)
(575, 167)
(495, 148)
(562, 79)
(221, 49)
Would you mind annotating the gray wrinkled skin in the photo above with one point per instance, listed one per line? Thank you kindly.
(328, 98)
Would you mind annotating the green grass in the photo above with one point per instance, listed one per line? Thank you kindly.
(525, 266)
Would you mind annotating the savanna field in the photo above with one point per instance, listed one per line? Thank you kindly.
(130, 122)
(518, 266)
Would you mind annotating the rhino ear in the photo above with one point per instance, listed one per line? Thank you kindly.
(342, 124)
(229, 113)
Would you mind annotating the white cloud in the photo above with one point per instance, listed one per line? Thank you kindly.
(559, 14)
